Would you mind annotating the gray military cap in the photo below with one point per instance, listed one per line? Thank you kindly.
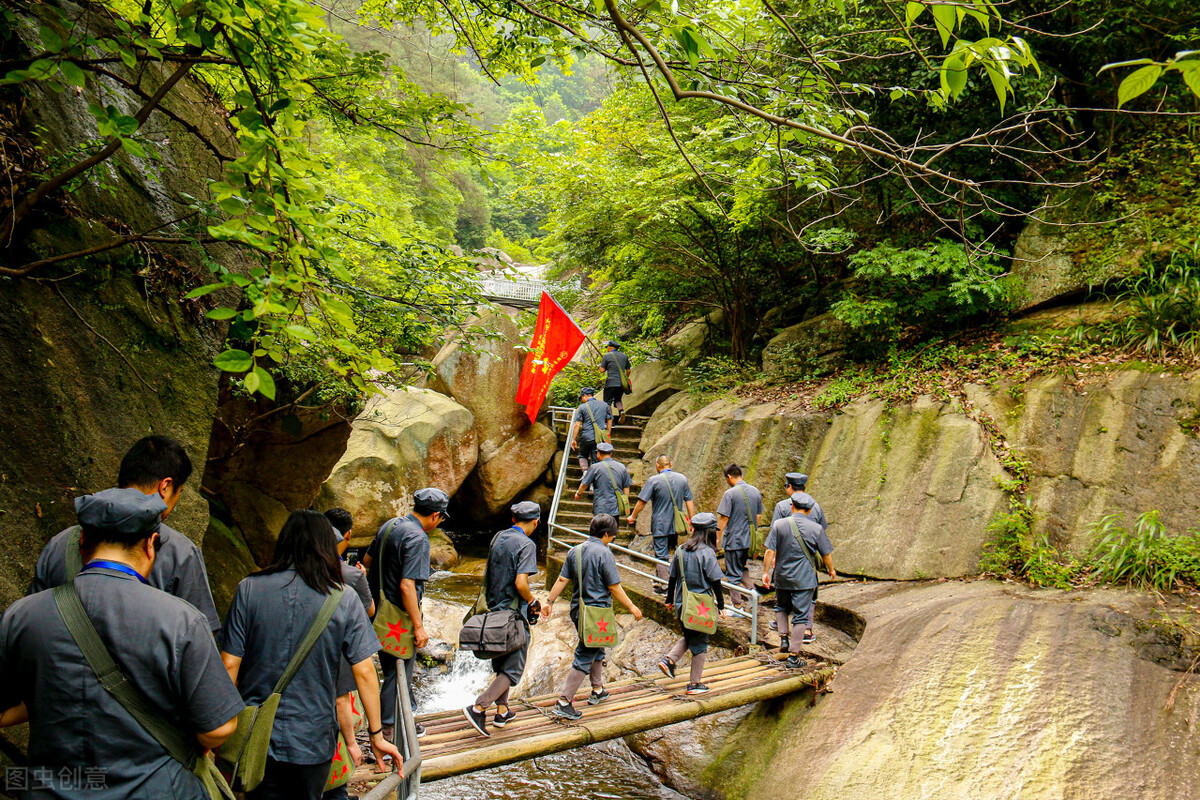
(586, 391)
(124, 511)
(613, 343)
(704, 520)
(526, 510)
(797, 479)
(604, 447)
(430, 499)
(802, 501)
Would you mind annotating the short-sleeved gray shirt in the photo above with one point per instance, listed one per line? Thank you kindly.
(162, 644)
(614, 364)
(600, 411)
(513, 553)
(793, 570)
(700, 570)
(733, 506)
(601, 476)
(355, 580)
(407, 556)
(599, 572)
(178, 570)
(268, 617)
(784, 509)
(656, 493)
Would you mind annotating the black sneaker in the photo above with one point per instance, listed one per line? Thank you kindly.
(420, 729)
(785, 644)
(660, 589)
(566, 711)
(795, 662)
(668, 667)
(808, 637)
(478, 719)
(696, 688)
(598, 697)
(500, 720)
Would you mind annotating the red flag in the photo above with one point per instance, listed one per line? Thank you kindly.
(556, 339)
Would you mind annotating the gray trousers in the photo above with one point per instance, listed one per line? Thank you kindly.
(800, 604)
(738, 572)
(387, 695)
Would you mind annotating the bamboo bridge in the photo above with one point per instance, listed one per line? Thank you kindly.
(452, 747)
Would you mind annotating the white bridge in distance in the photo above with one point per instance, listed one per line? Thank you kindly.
(519, 292)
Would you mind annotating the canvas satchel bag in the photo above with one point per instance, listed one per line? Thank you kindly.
(601, 433)
(342, 768)
(166, 732)
(492, 634)
(680, 518)
(698, 609)
(244, 754)
(756, 537)
(626, 382)
(392, 624)
(808, 552)
(622, 500)
(597, 624)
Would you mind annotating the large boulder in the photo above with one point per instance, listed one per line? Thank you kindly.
(404, 440)
(483, 374)
(653, 382)
(670, 413)
(978, 690)
(1053, 267)
(814, 347)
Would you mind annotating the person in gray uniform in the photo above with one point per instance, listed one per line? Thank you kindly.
(590, 414)
(600, 583)
(607, 478)
(408, 567)
(740, 504)
(270, 613)
(616, 367)
(666, 492)
(695, 565)
(796, 482)
(791, 562)
(511, 560)
(156, 466)
(356, 579)
(83, 743)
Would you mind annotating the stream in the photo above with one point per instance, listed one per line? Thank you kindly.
(600, 771)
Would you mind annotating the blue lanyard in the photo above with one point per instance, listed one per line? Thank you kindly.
(118, 566)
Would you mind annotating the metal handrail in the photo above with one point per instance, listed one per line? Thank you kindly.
(752, 615)
(406, 787)
(562, 480)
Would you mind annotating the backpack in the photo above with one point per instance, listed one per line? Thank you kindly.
(597, 624)
(180, 747)
(392, 624)
(695, 613)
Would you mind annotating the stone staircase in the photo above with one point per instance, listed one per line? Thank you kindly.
(626, 441)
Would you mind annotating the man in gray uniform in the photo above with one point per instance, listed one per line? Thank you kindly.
(407, 567)
(795, 482)
(511, 560)
(616, 366)
(740, 504)
(82, 741)
(791, 557)
(606, 478)
(666, 492)
(156, 466)
(600, 583)
(590, 414)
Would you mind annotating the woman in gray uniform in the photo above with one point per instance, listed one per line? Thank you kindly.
(696, 566)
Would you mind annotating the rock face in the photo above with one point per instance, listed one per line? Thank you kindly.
(402, 441)
(1044, 260)
(813, 347)
(653, 382)
(483, 376)
(977, 690)
(909, 492)
(670, 413)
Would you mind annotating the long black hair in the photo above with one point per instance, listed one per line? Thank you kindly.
(306, 544)
(702, 535)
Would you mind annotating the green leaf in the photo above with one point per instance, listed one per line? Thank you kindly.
(266, 384)
(251, 381)
(134, 147)
(945, 18)
(1137, 83)
(999, 83)
(1191, 75)
(73, 73)
(222, 313)
(128, 57)
(50, 39)
(200, 291)
(233, 361)
(537, 62)
(954, 75)
(913, 12)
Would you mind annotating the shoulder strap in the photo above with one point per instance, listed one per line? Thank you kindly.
(667, 481)
(588, 407)
(387, 537)
(746, 500)
(812, 557)
(315, 630)
(487, 565)
(74, 556)
(165, 732)
(611, 480)
(579, 586)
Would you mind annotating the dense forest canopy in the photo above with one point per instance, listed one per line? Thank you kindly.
(876, 159)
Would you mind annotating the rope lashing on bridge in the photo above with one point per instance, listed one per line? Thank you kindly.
(451, 747)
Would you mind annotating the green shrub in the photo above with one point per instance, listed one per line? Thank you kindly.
(716, 374)
(1015, 551)
(1163, 305)
(564, 389)
(1145, 557)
